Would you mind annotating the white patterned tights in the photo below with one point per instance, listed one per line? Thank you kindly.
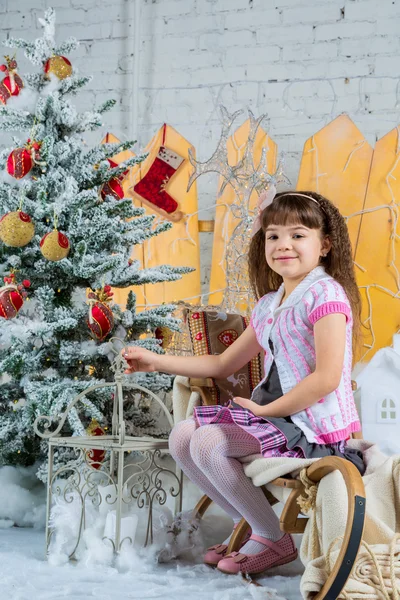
(208, 455)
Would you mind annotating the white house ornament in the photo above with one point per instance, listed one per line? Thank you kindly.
(55, 246)
(379, 395)
(16, 229)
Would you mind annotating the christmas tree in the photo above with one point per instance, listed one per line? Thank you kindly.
(65, 227)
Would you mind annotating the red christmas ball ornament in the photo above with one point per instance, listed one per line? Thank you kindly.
(95, 457)
(112, 188)
(19, 163)
(101, 319)
(22, 160)
(12, 84)
(11, 298)
(60, 66)
(55, 246)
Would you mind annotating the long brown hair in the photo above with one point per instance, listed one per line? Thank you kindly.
(292, 209)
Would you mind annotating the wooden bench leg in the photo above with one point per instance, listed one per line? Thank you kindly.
(203, 504)
(237, 536)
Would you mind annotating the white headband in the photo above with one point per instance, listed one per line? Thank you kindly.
(266, 198)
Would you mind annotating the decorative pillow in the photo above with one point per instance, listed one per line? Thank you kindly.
(212, 332)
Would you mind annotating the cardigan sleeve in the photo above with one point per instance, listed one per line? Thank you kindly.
(324, 298)
(258, 315)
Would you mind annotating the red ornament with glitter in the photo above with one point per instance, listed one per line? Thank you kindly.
(101, 319)
(12, 297)
(113, 187)
(95, 457)
(60, 66)
(12, 83)
(22, 160)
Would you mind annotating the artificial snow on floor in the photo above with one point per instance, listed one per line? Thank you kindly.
(25, 573)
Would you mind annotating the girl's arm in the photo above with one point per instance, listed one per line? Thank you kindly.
(216, 366)
(330, 341)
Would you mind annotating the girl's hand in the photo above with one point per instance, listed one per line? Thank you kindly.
(139, 359)
(250, 405)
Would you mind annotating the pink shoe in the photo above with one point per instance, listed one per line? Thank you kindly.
(276, 553)
(215, 553)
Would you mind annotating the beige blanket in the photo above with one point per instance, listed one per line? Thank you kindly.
(183, 400)
(376, 573)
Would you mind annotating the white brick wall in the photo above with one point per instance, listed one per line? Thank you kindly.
(301, 61)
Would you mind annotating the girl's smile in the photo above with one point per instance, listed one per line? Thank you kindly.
(293, 251)
(286, 258)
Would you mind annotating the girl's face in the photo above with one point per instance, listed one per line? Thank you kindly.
(293, 251)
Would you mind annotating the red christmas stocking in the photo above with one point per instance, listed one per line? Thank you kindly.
(151, 189)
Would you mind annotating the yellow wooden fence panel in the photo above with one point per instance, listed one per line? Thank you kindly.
(378, 250)
(336, 163)
(340, 164)
(225, 221)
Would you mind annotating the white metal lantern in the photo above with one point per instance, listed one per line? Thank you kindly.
(111, 485)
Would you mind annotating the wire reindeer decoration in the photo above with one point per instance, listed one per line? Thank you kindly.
(244, 177)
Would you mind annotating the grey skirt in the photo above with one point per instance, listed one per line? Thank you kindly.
(296, 439)
(271, 390)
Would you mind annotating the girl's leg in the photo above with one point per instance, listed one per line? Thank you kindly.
(179, 445)
(215, 449)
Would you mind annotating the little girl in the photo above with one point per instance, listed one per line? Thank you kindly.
(306, 319)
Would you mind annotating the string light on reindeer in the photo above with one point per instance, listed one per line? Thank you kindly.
(245, 178)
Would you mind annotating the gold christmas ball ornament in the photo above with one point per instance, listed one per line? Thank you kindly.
(59, 65)
(55, 246)
(16, 229)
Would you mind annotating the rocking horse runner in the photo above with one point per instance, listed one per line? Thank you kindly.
(307, 321)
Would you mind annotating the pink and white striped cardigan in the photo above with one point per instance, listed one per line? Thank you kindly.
(290, 327)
